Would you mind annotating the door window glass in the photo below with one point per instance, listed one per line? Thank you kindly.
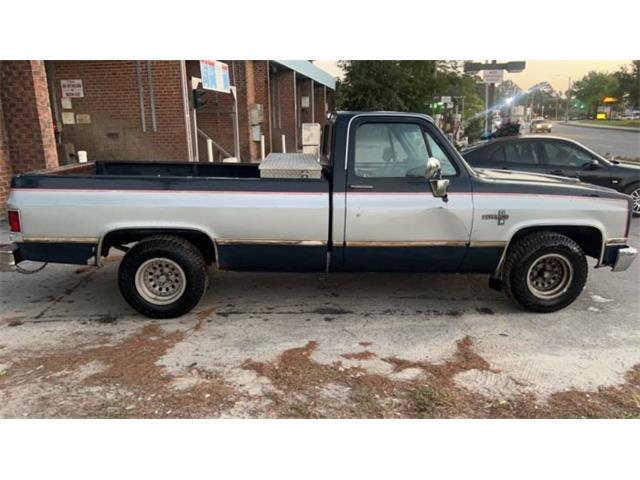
(393, 150)
(436, 151)
(389, 150)
(561, 154)
(521, 153)
(496, 157)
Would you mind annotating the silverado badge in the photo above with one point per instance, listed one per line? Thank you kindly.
(501, 217)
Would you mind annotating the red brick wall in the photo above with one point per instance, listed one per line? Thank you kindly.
(318, 97)
(5, 165)
(261, 96)
(27, 137)
(304, 90)
(283, 106)
(111, 98)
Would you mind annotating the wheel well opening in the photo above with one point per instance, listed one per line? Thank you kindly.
(589, 238)
(120, 238)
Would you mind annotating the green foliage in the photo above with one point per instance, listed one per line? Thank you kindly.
(629, 84)
(406, 86)
(591, 88)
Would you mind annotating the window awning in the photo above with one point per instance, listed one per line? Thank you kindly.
(309, 70)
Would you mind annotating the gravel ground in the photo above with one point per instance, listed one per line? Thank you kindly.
(290, 345)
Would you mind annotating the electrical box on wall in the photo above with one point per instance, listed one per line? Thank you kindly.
(305, 102)
(256, 132)
(255, 114)
(311, 133)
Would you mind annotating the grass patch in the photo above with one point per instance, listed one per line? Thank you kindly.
(613, 123)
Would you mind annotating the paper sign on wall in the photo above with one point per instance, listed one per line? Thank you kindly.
(72, 88)
(215, 76)
(68, 118)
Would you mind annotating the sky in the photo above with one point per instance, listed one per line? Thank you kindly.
(556, 72)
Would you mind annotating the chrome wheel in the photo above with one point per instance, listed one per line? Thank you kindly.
(160, 281)
(635, 195)
(549, 276)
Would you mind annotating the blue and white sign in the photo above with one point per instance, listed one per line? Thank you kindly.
(215, 76)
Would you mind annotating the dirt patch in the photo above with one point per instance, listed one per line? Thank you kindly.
(365, 355)
(133, 384)
(300, 382)
(331, 311)
(465, 358)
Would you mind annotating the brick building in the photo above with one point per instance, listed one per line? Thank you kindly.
(134, 110)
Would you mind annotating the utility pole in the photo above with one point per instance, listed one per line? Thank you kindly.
(489, 90)
(566, 113)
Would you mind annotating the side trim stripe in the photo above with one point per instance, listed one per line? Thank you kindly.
(306, 243)
(36, 239)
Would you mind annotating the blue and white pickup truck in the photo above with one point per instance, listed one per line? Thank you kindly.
(393, 195)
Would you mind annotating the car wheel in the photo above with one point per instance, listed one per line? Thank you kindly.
(634, 192)
(163, 276)
(544, 272)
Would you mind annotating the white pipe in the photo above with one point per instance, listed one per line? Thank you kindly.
(284, 144)
(236, 124)
(185, 109)
(262, 146)
(210, 150)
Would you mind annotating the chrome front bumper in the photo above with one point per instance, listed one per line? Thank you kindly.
(9, 257)
(624, 259)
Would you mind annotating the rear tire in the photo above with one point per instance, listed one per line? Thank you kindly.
(544, 272)
(163, 276)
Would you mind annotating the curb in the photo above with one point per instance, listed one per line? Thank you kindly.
(602, 127)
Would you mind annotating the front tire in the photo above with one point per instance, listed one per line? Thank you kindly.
(163, 276)
(634, 192)
(544, 272)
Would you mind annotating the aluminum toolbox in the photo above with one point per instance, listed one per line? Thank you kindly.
(290, 165)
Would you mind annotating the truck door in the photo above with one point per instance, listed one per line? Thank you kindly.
(393, 222)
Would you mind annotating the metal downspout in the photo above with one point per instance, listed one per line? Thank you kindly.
(141, 96)
(185, 109)
(152, 97)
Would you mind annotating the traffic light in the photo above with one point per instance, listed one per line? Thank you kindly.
(198, 97)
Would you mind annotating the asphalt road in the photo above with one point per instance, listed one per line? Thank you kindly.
(294, 345)
(605, 141)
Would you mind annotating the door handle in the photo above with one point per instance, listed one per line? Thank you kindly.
(558, 172)
(360, 187)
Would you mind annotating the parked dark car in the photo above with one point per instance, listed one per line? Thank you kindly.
(557, 156)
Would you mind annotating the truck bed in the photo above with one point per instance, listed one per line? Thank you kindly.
(256, 223)
(163, 175)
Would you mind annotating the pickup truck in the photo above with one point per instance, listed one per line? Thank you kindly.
(393, 195)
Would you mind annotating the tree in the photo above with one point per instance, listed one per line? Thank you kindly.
(406, 86)
(591, 89)
(386, 85)
(628, 78)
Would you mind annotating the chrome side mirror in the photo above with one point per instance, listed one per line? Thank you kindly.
(434, 177)
(439, 188)
(434, 168)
